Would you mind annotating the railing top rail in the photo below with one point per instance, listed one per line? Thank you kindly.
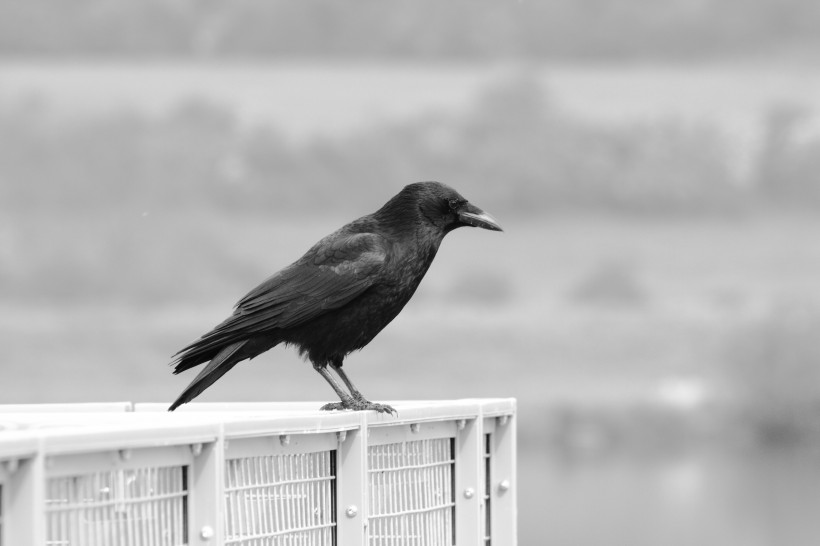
(63, 429)
(414, 408)
(78, 407)
(67, 438)
(16, 445)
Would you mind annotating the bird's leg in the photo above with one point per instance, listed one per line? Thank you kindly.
(362, 403)
(347, 401)
(357, 395)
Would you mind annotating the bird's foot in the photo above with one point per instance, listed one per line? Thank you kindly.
(381, 408)
(334, 406)
(359, 405)
(365, 404)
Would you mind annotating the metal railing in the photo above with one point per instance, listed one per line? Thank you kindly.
(254, 474)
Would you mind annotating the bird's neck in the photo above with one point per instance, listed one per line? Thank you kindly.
(401, 217)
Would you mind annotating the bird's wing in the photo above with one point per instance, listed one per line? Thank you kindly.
(332, 273)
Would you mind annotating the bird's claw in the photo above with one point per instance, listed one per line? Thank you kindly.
(360, 405)
(381, 408)
(333, 406)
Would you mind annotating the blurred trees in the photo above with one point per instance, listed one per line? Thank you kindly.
(526, 157)
(789, 160)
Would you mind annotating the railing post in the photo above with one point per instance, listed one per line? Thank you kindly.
(504, 482)
(351, 485)
(24, 517)
(469, 490)
(206, 493)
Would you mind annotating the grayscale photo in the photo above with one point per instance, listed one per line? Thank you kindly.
(315, 272)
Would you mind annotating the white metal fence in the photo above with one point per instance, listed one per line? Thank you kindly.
(265, 474)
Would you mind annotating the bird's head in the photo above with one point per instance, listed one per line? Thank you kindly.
(445, 208)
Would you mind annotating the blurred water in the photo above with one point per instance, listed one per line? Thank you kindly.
(705, 498)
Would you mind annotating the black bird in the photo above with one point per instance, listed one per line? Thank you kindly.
(340, 294)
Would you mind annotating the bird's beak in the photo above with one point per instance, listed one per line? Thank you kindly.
(474, 216)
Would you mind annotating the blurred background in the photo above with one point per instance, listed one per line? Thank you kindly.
(654, 303)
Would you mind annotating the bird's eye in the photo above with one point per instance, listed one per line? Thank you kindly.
(454, 203)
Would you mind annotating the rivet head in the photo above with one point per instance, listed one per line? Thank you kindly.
(351, 511)
(207, 532)
(125, 454)
(504, 486)
(284, 439)
(469, 493)
(414, 428)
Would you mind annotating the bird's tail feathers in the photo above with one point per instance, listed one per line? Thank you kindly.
(202, 350)
(226, 359)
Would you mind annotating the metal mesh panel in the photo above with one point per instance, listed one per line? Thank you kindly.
(281, 500)
(487, 490)
(144, 506)
(411, 493)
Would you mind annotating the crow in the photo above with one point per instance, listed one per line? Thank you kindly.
(339, 295)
